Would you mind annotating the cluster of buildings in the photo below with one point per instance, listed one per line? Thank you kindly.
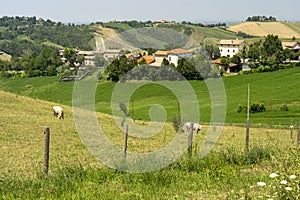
(153, 60)
(227, 48)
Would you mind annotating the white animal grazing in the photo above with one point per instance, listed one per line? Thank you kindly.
(196, 127)
(58, 112)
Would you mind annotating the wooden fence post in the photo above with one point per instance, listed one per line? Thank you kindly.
(248, 121)
(125, 140)
(46, 150)
(299, 135)
(190, 150)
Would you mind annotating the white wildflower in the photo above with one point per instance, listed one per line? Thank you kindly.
(288, 188)
(283, 182)
(273, 175)
(261, 184)
(292, 176)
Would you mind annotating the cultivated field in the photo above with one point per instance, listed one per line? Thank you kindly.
(283, 30)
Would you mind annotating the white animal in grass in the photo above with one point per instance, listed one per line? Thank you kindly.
(58, 112)
(196, 127)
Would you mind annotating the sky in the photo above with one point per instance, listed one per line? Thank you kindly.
(87, 11)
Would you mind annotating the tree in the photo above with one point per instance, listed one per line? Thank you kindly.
(235, 59)
(272, 45)
(213, 51)
(165, 62)
(116, 70)
(188, 70)
(70, 55)
(225, 61)
(80, 59)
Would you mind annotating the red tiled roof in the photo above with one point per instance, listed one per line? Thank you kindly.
(149, 59)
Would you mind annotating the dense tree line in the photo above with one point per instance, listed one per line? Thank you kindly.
(261, 19)
(205, 25)
(44, 64)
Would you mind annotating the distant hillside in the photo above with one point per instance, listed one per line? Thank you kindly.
(23, 35)
(282, 29)
(201, 34)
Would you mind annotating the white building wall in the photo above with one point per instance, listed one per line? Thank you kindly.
(173, 59)
(228, 51)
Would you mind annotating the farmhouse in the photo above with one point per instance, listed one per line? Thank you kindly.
(230, 68)
(295, 46)
(175, 54)
(229, 48)
(159, 56)
(172, 56)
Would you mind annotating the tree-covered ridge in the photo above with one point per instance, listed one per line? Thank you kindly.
(19, 34)
(261, 19)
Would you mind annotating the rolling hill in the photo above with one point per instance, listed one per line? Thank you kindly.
(282, 29)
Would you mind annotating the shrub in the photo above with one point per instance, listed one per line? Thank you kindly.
(242, 109)
(284, 108)
(255, 107)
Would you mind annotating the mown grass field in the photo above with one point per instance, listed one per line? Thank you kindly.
(275, 89)
(227, 172)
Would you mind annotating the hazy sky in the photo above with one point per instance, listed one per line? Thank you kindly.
(142, 10)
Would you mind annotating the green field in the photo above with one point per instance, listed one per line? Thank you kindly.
(277, 90)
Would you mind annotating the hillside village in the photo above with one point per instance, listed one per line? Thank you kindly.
(232, 49)
(227, 49)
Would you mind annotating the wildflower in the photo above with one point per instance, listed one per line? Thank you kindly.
(288, 188)
(273, 175)
(261, 184)
(292, 176)
(283, 182)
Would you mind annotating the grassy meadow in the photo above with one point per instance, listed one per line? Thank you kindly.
(227, 172)
(278, 91)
